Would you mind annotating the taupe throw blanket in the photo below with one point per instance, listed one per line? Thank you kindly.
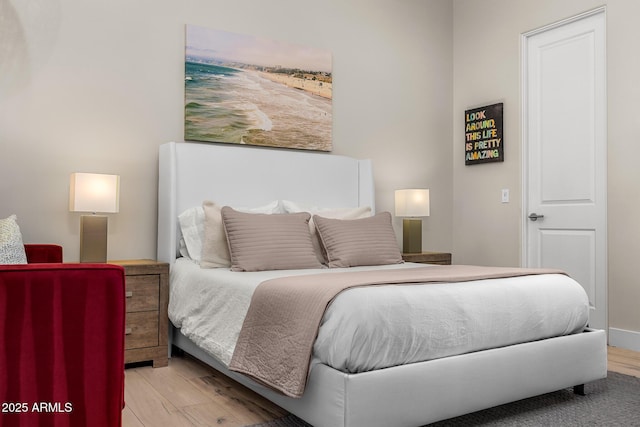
(276, 340)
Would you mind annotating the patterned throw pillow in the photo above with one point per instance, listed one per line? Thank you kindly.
(363, 241)
(268, 241)
(11, 246)
(337, 213)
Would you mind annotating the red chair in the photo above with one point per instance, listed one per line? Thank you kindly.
(61, 342)
(39, 253)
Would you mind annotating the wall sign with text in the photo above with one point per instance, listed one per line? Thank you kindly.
(483, 135)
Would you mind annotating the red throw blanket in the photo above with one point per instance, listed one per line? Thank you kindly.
(276, 341)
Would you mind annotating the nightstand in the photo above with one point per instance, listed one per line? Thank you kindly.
(147, 321)
(442, 258)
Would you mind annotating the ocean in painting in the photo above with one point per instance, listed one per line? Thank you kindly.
(240, 106)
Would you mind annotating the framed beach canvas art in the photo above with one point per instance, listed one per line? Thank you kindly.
(243, 89)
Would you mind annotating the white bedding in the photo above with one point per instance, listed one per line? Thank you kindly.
(417, 323)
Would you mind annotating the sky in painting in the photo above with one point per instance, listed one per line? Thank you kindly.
(226, 46)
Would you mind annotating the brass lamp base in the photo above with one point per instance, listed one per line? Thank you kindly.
(93, 238)
(411, 235)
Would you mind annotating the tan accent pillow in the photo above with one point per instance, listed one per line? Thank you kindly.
(215, 250)
(364, 241)
(268, 241)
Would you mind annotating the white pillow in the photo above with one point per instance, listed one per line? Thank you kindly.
(192, 228)
(215, 247)
(11, 245)
(193, 231)
(336, 213)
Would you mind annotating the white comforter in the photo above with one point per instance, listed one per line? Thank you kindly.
(381, 326)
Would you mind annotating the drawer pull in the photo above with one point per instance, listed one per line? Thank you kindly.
(128, 294)
(127, 331)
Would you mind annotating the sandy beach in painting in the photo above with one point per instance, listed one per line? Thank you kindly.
(323, 89)
(224, 104)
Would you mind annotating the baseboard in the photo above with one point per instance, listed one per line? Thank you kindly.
(624, 339)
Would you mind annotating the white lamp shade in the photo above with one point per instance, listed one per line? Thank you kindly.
(412, 202)
(94, 192)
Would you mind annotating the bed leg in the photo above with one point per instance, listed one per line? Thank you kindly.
(579, 390)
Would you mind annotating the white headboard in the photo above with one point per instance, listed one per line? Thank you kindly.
(190, 173)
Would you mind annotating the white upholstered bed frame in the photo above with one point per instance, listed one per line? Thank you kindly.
(408, 395)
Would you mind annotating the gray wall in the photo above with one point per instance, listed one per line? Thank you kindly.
(487, 69)
(97, 86)
(90, 86)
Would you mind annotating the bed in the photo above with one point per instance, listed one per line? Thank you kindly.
(410, 394)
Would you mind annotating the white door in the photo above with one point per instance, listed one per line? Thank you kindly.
(565, 153)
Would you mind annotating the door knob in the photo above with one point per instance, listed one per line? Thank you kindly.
(534, 216)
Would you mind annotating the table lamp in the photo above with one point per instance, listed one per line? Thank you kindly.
(93, 192)
(412, 204)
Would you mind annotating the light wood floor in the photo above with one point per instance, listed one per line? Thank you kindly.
(190, 394)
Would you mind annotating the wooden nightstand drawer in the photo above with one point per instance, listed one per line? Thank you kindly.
(141, 330)
(147, 323)
(143, 293)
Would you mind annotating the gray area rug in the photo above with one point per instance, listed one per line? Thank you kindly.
(614, 401)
